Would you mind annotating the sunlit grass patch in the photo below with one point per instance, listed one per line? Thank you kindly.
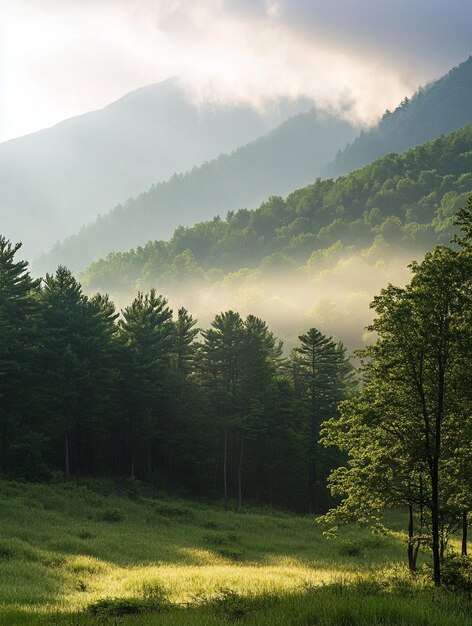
(62, 553)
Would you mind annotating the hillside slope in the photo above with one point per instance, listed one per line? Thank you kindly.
(316, 258)
(408, 199)
(441, 107)
(54, 181)
(290, 156)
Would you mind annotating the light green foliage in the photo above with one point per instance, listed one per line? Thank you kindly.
(407, 431)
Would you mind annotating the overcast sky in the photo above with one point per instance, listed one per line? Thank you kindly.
(59, 58)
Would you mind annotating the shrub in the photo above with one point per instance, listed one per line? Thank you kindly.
(118, 607)
(85, 534)
(457, 573)
(349, 548)
(174, 510)
(234, 606)
(133, 488)
(111, 515)
(232, 554)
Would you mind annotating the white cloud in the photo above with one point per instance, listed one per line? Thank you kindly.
(60, 58)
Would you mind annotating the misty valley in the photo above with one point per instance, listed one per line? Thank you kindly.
(235, 328)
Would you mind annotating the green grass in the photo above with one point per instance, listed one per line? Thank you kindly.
(64, 549)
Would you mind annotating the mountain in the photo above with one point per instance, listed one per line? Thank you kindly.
(404, 200)
(438, 109)
(291, 155)
(317, 257)
(54, 181)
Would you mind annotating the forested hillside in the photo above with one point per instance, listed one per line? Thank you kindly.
(407, 200)
(291, 155)
(54, 181)
(439, 108)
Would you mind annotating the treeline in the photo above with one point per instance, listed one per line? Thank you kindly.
(406, 200)
(145, 395)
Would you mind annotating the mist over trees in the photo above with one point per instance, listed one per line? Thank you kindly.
(405, 202)
(290, 156)
(222, 413)
(282, 160)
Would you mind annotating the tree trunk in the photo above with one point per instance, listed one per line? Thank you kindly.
(66, 460)
(77, 455)
(225, 468)
(4, 444)
(312, 476)
(435, 522)
(412, 553)
(464, 532)
(240, 469)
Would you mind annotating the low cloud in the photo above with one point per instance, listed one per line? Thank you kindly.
(356, 58)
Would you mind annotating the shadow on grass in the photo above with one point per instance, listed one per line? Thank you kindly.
(372, 603)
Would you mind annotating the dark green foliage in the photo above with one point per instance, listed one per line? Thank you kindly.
(409, 200)
(137, 402)
(457, 574)
(119, 607)
(19, 353)
(323, 377)
(111, 515)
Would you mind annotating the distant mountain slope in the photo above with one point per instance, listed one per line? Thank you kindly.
(439, 108)
(404, 200)
(54, 181)
(290, 156)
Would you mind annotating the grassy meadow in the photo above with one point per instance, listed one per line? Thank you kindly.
(73, 555)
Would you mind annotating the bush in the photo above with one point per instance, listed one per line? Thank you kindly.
(85, 534)
(234, 606)
(133, 488)
(153, 601)
(349, 548)
(174, 510)
(112, 515)
(457, 573)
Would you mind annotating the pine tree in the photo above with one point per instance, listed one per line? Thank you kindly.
(18, 345)
(222, 362)
(324, 376)
(147, 332)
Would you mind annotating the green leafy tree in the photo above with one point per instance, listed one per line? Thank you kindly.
(415, 397)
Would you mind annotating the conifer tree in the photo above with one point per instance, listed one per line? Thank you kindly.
(324, 376)
(147, 332)
(18, 344)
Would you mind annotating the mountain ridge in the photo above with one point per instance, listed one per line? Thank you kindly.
(287, 157)
(439, 108)
(55, 180)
